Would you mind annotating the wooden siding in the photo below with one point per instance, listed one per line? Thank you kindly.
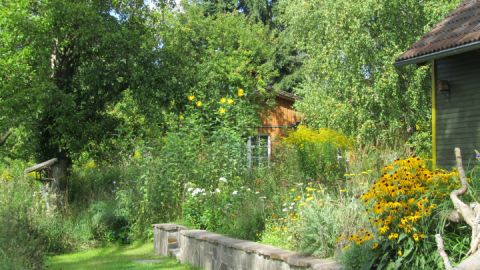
(278, 121)
(458, 113)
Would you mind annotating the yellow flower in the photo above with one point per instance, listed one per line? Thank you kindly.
(221, 110)
(240, 92)
(90, 164)
(416, 237)
(223, 100)
(392, 236)
(309, 199)
(137, 154)
(191, 97)
(230, 101)
(199, 103)
(375, 246)
(383, 229)
(340, 238)
(6, 175)
(400, 253)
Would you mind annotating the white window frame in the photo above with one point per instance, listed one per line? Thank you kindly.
(250, 145)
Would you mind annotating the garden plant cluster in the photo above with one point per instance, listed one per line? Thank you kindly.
(149, 106)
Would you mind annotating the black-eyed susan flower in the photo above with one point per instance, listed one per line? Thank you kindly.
(240, 92)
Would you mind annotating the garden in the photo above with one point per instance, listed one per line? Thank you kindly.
(148, 107)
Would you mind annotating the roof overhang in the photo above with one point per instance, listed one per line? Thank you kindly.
(288, 96)
(440, 54)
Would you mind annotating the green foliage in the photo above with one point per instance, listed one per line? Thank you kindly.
(236, 211)
(312, 218)
(27, 232)
(106, 225)
(209, 57)
(350, 83)
(322, 223)
(258, 10)
(318, 153)
(358, 257)
(154, 107)
(403, 212)
(59, 75)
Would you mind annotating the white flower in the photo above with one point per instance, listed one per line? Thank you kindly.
(223, 179)
(256, 192)
(284, 209)
(235, 192)
(189, 189)
(292, 204)
(248, 189)
(217, 190)
(198, 191)
(263, 198)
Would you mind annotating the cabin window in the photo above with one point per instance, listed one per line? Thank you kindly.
(259, 150)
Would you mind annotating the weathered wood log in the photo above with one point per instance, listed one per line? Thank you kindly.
(5, 136)
(41, 166)
(470, 213)
(441, 251)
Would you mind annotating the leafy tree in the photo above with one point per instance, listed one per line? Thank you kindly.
(259, 10)
(349, 81)
(21, 84)
(69, 60)
(208, 57)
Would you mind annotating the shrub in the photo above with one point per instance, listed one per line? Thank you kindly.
(319, 152)
(106, 226)
(27, 232)
(235, 211)
(311, 220)
(401, 206)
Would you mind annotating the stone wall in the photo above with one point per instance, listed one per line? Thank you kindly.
(213, 251)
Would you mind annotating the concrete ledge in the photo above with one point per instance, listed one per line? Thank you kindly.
(169, 227)
(165, 236)
(217, 252)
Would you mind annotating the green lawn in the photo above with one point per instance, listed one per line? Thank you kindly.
(113, 258)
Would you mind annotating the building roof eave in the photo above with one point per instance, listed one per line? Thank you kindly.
(440, 54)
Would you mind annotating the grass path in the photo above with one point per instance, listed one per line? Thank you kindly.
(116, 257)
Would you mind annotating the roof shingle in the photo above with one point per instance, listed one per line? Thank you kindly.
(460, 28)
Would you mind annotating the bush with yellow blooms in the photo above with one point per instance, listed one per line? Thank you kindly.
(402, 207)
(321, 152)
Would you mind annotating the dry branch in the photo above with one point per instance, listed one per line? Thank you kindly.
(441, 251)
(471, 215)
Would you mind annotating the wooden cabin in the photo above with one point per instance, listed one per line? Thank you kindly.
(275, 124)
(453, 49)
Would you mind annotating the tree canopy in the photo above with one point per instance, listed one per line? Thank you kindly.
(67, 68)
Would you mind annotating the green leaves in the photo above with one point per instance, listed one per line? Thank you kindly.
(350, 83)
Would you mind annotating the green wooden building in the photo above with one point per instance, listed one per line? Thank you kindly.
(453, 48)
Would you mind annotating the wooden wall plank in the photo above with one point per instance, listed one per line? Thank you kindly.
(458, 113)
